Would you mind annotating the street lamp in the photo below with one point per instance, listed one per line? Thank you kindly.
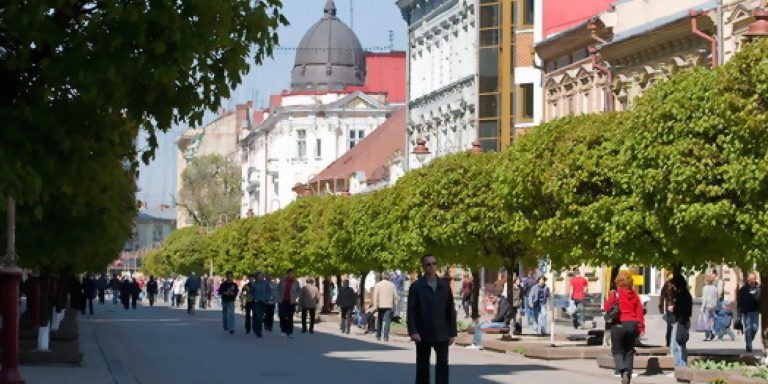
(421, 151)
(477, 147)
(759, 27)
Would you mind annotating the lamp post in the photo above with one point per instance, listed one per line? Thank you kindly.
(421, 151)
(10, 277)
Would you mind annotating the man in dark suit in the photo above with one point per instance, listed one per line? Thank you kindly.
(431, 321)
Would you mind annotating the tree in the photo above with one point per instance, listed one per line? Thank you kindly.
(70, 68)
(210, 187)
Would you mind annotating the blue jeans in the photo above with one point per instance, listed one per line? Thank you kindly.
(751, 321)
(385, 317)
(115, 296)
(478, 336)
(228, 315)
(679, 351)
(539, 317)
(578, 316)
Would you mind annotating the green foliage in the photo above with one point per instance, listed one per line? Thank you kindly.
(76, 74)
(187, 250)
(757, 372)
(210, 188)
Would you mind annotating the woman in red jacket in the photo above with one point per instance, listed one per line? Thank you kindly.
(629, 325)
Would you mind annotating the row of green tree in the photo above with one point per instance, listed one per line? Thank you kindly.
(681, 179)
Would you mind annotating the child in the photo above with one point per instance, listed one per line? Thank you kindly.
(723, 321)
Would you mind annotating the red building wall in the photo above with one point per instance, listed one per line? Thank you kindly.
(386, 74)
(560, 15)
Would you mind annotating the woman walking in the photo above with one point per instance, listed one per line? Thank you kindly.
(710, 300)
(628, 324)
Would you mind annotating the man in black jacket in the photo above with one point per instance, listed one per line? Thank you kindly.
(431, 321)
(151, 290)
(748, 302)
(504, 313)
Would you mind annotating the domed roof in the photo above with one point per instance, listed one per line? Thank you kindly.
(329, 56)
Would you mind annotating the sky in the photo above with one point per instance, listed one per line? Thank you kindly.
(372, 21)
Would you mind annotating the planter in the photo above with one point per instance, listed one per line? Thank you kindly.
(696, 375)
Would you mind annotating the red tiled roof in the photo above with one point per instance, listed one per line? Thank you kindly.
(372, 154)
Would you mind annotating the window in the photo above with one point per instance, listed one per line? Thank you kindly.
(355, 135)
(570, 106)
(157, 233)
(489, 106)
(525, 103)
(301, 143)
(585, 103)
(489, 70)
(489, 16)
(318, 148)
(526, 13)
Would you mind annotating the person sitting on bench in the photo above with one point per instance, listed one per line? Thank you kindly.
(499, 323)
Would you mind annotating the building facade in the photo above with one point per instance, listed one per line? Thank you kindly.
(339, 95)
(219, 137)
(472, 73)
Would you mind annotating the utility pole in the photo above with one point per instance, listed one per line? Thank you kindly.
(720, 34)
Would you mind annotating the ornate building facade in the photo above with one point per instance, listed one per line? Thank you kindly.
(339, 94)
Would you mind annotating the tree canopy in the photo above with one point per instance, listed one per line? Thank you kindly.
(210, 188)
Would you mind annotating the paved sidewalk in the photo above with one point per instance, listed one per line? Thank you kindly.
(93, 370)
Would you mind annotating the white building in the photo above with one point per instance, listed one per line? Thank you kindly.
(332, 105)
(442, 73)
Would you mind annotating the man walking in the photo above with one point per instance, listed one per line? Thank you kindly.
(262, 293)
(308, 301)
(431, 321)
(384, 299)
(114, 285)
(246, 302)
(178, 291)
(205, 291)
(151, 290)
(748, 302)
(101, 286)
(538, 298)
(89, 293)
(228, 292)
(192, 286)
(579, 289)
(346, 300)
(269, 306)
(286, 295)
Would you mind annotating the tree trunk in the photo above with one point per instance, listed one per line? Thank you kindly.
(362, 291)
(476, 294)
(509, 264)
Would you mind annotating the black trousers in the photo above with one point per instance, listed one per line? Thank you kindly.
(191, 303)
(134, 298)
(101, 296)
(151, 299)
(311, 313)
(346, 319)
(668, 336)
(423, 352)
(623, 337)
(248, 309)
(285, 312)
(176, 301)
(89, 304)
(269, 316)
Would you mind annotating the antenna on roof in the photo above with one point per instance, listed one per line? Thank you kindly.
(351, 15)
(391, 40)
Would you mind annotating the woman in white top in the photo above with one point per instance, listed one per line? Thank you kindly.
(710, 299)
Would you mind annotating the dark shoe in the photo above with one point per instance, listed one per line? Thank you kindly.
(626, 377)
(386, 339)
(231, 332)
(311, 332)
(303, 331)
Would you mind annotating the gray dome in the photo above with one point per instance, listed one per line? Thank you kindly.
(329, 56)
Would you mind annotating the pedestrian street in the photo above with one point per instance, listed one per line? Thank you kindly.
(166, 345)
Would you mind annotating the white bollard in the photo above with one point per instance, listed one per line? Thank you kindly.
(44, 338)
(56, 318)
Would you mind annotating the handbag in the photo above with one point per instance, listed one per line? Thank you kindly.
(737, 324)
(702, 325)
(571, 310)
(612, 316)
